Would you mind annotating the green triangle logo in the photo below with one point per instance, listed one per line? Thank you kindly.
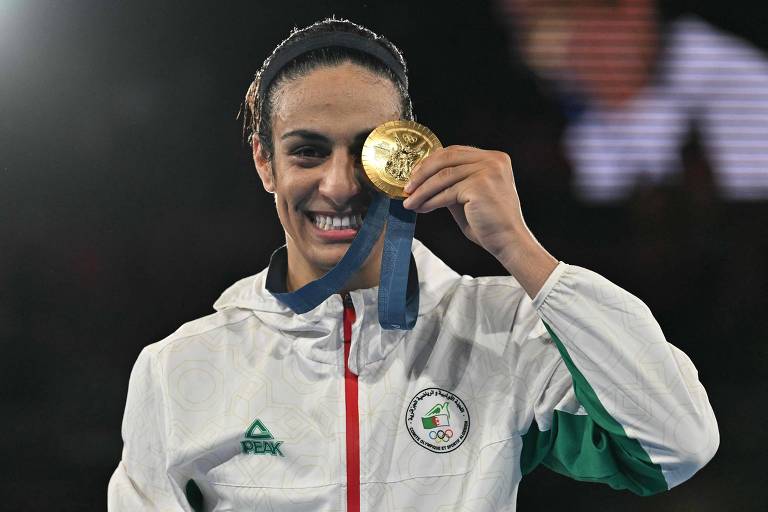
(257, 430)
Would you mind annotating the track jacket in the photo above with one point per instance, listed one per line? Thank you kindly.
(257, 408)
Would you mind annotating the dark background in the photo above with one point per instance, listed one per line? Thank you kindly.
(128, 203)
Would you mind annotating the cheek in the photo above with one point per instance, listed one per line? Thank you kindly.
(290, 218)
(293, 193)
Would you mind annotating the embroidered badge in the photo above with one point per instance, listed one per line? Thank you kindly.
(437, 420)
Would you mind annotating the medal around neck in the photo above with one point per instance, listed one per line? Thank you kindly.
(392, 150)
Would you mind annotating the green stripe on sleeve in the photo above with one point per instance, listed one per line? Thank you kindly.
(592, 447)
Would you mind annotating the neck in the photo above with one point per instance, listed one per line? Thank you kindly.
(301, 272)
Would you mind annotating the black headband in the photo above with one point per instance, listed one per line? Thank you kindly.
(327, 40)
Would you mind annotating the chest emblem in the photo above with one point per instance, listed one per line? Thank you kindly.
(437, 420)
(260, 441)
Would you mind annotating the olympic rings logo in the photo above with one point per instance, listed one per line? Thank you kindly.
(441, 436)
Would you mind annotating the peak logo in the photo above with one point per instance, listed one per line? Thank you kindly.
(258, 440)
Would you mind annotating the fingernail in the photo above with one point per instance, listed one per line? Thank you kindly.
(408, 187)
(407, 202)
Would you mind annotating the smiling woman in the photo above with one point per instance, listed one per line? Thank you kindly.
(325, 408)
(320, 123)
(306, 123)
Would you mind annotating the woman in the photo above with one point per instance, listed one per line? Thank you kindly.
(259, 407)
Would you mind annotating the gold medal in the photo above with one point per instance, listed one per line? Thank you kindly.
(392, 150)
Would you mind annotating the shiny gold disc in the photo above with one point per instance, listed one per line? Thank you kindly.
(392, 150)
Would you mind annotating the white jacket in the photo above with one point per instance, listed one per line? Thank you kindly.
(249, 408)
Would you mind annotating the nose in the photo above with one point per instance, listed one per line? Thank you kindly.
(340, 180)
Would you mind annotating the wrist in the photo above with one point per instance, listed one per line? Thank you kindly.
(528, 262)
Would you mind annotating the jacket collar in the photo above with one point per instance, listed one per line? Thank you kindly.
(435, 280)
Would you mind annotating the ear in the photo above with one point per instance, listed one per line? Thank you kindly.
(263, 166)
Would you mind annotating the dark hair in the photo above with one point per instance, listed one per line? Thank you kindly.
(257, 119)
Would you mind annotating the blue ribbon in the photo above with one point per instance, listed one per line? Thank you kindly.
(395, 268)
(398, 309)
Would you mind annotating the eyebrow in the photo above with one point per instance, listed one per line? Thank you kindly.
(319, 137)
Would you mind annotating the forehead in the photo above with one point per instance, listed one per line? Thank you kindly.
(335, 100)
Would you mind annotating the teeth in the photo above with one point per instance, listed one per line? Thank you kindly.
(327, 222)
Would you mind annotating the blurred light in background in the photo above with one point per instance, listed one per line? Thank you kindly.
(644, 93)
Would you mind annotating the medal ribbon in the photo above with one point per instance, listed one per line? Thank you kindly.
(396, 310)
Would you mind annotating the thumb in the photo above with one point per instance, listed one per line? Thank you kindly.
(457, 212)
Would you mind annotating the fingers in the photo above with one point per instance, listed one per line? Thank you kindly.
(431, 191)
(450, 156)
(445, 197)
(454, 174)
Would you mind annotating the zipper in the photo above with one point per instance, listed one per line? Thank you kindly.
(352, 417)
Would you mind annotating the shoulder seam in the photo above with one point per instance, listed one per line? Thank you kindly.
(177, 336)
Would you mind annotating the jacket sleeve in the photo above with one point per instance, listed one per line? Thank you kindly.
(141, 480)
(620, 405)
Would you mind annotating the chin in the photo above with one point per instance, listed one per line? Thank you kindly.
(328, 257)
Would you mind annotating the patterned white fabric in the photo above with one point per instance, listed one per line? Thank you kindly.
(193, 395)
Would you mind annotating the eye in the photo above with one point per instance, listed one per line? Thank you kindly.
(308, 155)
(308, 152)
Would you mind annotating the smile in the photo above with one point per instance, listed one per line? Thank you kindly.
(335, 222)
